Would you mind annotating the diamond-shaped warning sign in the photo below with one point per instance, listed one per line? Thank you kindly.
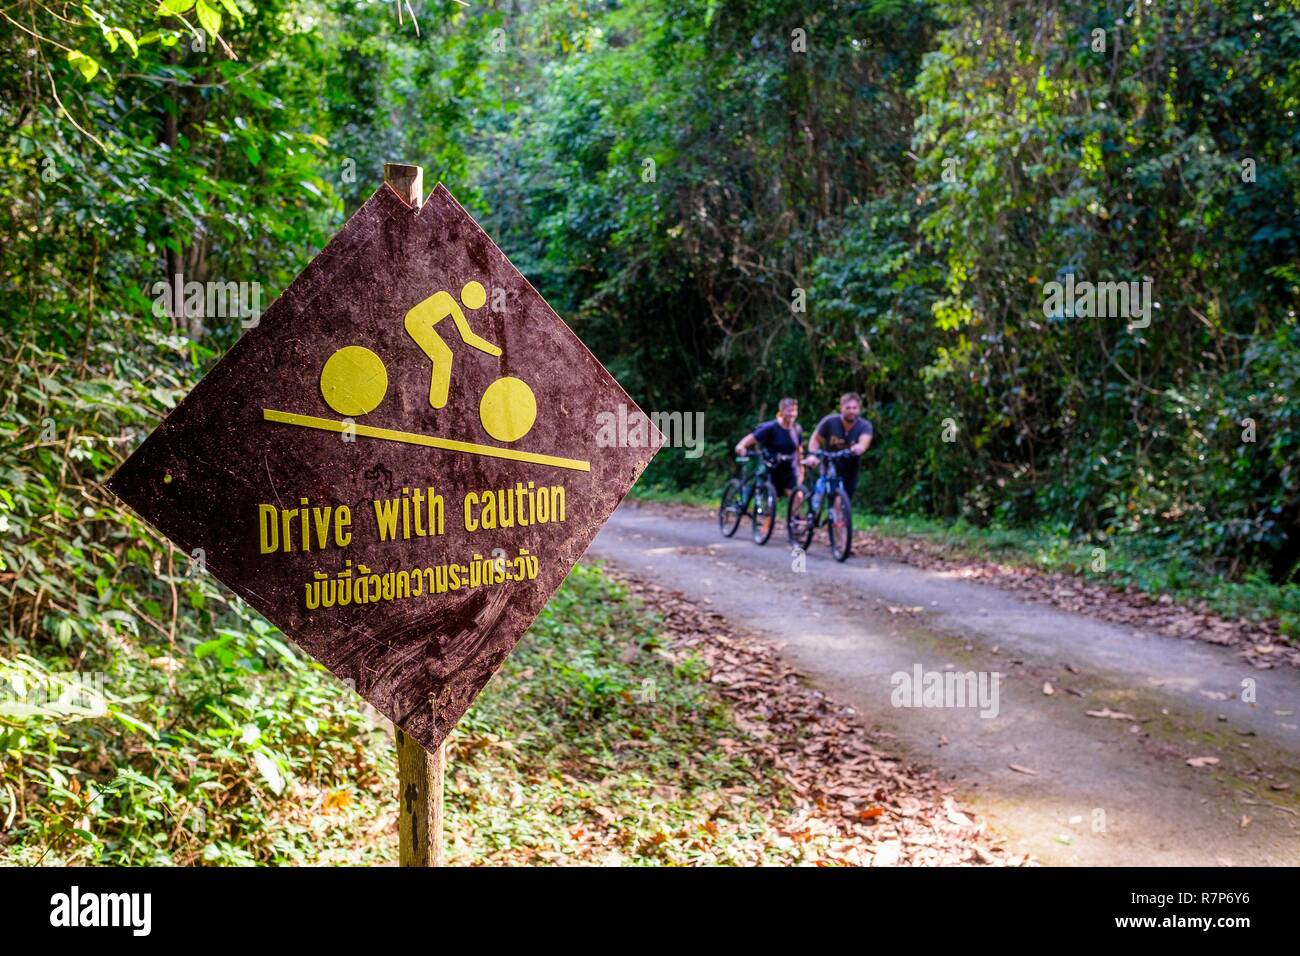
(399, 465)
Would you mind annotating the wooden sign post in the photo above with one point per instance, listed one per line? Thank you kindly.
(419, 773)
(397, 466)
(419, 821)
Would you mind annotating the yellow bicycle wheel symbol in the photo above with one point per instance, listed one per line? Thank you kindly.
(353, 380)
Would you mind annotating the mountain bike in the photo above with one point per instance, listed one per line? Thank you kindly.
(753, 494)
(826, 503)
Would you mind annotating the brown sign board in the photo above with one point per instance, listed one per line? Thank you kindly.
(400, 463)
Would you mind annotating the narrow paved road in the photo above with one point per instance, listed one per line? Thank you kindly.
(1098, 791)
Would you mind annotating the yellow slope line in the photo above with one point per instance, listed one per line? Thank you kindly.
(414, 438)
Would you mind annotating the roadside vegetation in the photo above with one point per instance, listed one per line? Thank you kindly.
(595, 744)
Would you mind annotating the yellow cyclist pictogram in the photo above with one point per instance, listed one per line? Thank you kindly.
(420, 322)
(508, 407)
(354, 381)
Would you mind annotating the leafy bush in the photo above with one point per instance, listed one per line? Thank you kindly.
(208, 738)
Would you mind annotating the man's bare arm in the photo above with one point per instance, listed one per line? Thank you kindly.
(814, 443)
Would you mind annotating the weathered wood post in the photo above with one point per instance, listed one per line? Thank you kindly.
(407, 182)
(419, 772)
(419, 819)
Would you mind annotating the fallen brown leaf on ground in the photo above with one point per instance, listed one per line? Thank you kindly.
(1111, 714)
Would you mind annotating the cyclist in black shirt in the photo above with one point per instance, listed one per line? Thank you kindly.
(847, 429)
(781, 436)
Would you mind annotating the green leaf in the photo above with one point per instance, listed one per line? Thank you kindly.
(270, 772)
(132, 776)
(234, 11)
(129, 39)
(174, 8)
(210, 17)
(210, 647)
(88, 66)
(133, 724)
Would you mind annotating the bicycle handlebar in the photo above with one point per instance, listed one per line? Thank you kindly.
(842, 453)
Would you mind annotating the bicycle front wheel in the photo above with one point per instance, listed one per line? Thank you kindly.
(764, 512)
(730, 509)
(840, 526)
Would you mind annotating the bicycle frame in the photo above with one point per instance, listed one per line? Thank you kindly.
(761, 472)
(748, 483)
(826, 472)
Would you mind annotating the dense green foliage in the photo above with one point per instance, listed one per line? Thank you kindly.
(146, 715)
(730, 201)
(1116, 156)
